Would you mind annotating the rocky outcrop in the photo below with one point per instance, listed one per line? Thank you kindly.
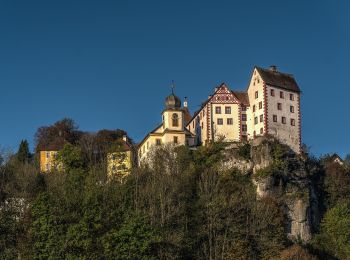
(260, 154)
(279, 173)
(285, 179)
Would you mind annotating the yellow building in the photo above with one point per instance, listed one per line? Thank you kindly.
(171, 131)
(47, 160)
(120, 160)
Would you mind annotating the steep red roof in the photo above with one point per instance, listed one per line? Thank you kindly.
(278, 79)
(242, 97)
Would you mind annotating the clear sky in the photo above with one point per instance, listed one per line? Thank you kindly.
(109, 64)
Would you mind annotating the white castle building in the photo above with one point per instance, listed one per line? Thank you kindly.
(270, 106)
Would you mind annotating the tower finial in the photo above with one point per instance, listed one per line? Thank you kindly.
(172, 87)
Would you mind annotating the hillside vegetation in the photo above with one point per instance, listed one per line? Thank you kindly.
(189, 204)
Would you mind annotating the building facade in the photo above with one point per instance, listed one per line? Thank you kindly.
(222, 115)
(120, 159)
(171, 131)
(48, 160)
(270, 106)
(274, 99)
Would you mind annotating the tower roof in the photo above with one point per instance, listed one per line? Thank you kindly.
(172, 102)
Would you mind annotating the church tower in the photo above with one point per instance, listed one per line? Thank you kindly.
(171, 131)
(173, 114)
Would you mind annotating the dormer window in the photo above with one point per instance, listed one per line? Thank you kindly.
(175, 119)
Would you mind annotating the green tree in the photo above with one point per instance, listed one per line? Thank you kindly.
(135, 239)
(23, 154)
(334, 236)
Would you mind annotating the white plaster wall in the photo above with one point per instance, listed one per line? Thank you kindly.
(231, 132)
(256, 84)
(286, 133)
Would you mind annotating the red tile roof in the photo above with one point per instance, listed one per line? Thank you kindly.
(278, 79)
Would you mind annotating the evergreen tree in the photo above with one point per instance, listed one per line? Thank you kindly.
(23, 154)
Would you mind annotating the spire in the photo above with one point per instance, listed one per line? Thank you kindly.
(185, 102)
(172, 87)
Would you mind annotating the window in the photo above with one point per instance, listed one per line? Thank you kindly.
(274, 118)
(261, 118)
(220, 121)
(47, 155)
(229, 121)
(260, 105)
(254, 133)
(193, 124)
(291, 109)
(254, 108)
(147, 145)
(47, 167)
(218, 110)
(202, 125)
(291, 97)
(261, 130)
(175, 119)
(279, 106)
(255, 120)
(227, 110)
(175, 139)
(281, 94)
(158, 141)
(292, 122)
(244, 108)
(244, 128)
(256, 94)
(283, 120)
(244, 117)
(272, 92)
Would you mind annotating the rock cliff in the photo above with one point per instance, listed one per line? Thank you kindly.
(279, 173)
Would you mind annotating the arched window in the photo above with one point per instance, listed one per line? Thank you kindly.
(175, 118)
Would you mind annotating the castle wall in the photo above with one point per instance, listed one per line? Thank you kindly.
(231, 132)
(256, 126)
(285, 132)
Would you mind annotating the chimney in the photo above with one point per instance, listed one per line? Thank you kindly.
(185, 102)
(273, 68)
(125, 138)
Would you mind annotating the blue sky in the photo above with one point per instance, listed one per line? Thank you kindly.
(109, 64)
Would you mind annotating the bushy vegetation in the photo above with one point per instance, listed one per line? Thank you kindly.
(183, 207)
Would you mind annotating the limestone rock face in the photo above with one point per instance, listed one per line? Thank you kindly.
(290, 184)
(260, 154)
(232, 160)
(298, 211)
(293, 188)
(244, 166)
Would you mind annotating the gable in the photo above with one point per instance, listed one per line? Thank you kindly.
(223, 95)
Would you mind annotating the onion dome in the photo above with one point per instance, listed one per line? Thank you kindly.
(172, 102)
